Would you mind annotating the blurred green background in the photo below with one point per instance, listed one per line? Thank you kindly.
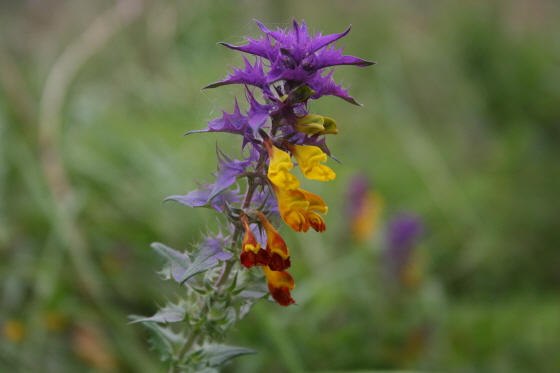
(460, 125)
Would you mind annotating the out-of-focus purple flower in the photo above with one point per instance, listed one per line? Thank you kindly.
(356, 193)
(403, 234)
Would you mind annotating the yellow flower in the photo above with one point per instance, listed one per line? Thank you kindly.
(365, 219)
(279, 284)
(309, 158)
(14, 330)
(298, 208)
(279, 168)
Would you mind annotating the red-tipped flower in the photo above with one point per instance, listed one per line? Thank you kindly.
(298, 208)
(252, 254)
(280, 283)
(275, 246)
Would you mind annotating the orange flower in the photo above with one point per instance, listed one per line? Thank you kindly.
(252, 254)
(275, 246)
(280, 283)
(298, 208)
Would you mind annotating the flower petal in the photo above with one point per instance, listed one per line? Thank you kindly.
(309, 158)
(280, 283)
(279, 169)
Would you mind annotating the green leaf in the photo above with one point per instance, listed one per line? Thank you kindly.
(202, 260)
(219, 354)
(208, 370)
(174, 262)
(163, 340)
(252, 294)
(170, 313)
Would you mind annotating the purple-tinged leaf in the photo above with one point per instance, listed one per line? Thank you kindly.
(252, 75)
(325, 86)
(279, 72)
(319, 41)
(234, 122)
(265, 200)
(228, 171)
(258, 113)
(205, 256)
(332, 57)
(308, 54)
(262, 48)
(216, 243)
(201, 198)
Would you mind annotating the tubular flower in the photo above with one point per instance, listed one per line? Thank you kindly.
(310, 124)
(275, 246)
(316, 203)
(279, 168)
(280, 283)
(309, 158)
(298, 209)
(316, 124)
(252, 253)
(330, 127)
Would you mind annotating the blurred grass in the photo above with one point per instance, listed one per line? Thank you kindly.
(460, 123)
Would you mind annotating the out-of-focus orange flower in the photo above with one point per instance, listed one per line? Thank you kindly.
(364, 207)
(90, 344)
(14, 330)
(366, 220)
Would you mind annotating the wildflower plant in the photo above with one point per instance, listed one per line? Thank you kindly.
(278, 131)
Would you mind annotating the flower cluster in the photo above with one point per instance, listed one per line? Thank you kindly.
(278, 131)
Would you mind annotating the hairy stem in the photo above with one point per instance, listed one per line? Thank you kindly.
(224, 276)
(189, 342)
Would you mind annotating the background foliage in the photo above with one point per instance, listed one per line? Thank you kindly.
(460, 125)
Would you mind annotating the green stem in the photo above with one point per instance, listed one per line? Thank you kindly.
(225, 275)
(251, 187)
(191, 339)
